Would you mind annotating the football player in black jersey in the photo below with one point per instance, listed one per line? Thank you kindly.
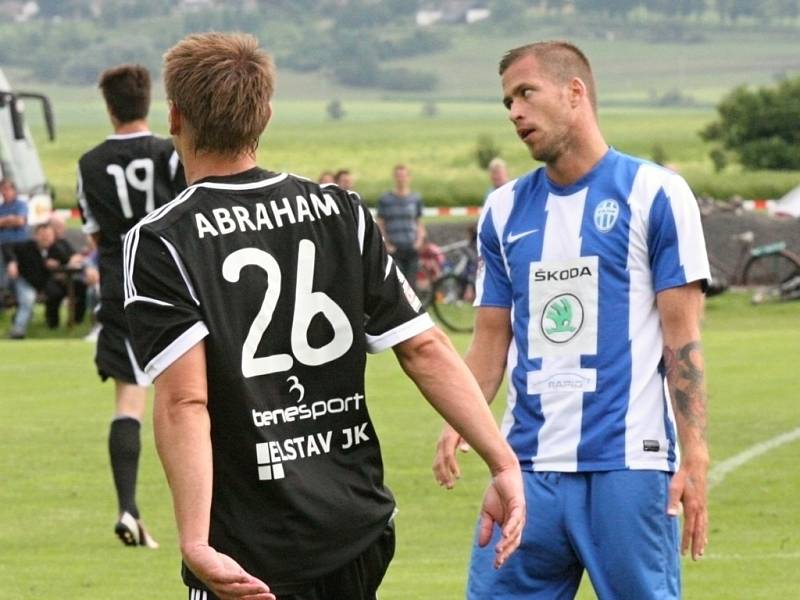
(119, 181)
(252, 299)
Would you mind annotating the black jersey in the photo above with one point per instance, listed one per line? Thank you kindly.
(290, 285)
(119, 182)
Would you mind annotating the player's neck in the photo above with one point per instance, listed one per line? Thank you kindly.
(137, 126)
(207, 164)
(578, 160)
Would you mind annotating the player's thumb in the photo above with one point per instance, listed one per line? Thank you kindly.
(485, 529)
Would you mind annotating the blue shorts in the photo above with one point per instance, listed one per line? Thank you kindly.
(614, 524)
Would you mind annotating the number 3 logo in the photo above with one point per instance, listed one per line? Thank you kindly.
(307, 305)
(296, 387)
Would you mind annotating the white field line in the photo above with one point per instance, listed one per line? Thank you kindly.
(727, 466)
(762, 556)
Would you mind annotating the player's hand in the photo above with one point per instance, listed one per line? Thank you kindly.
(445, 465)
(12, 270)
(223, 575)
(504, 504)
(688, 487)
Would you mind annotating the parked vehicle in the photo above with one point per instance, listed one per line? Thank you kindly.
(19, 159)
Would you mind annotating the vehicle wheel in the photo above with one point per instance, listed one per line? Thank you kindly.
(452, 303)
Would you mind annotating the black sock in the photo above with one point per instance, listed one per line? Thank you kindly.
(124, 447)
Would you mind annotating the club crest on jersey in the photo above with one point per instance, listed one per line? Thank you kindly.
(562, 318)
(605, 215)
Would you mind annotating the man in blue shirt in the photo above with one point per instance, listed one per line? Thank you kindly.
(13, 226)
(400, 222)
(590, 294)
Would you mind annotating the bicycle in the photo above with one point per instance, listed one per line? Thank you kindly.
(431, 262)
(454, 292)
(765, 266)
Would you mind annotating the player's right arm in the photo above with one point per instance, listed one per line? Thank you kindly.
(168, 333)
(486, 360)
(182, 433)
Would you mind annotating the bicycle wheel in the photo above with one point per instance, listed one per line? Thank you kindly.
(770, 269)
(452, 303)
(719, 282)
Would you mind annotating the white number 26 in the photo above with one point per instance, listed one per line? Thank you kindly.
(307, 305)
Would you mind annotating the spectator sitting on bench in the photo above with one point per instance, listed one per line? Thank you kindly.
(33, 267)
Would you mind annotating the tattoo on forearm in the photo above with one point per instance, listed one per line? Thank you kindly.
(685, 377)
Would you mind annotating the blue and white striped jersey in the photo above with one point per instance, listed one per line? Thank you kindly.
(580, 266)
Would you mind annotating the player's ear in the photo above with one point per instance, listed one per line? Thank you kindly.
(577, 90)
(174, 119)
(269, 113)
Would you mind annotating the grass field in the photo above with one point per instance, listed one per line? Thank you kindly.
(383, 128)
(376, 135)
(57, 507)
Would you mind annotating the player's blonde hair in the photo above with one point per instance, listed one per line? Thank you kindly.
(560, 59)
(222, 84)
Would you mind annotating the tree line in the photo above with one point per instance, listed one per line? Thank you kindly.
(349, 41)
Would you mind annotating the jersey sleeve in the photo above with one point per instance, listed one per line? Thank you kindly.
(161, 307)
(492, 285)
(90, 224)
(393, 313)
(677, 247)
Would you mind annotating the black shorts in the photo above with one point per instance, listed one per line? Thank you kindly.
(357, 580)
(114, 356)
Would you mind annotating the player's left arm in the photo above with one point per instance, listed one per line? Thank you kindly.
(680, 310)
(432, 362)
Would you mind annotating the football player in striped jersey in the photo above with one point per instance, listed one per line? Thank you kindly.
(589, 298)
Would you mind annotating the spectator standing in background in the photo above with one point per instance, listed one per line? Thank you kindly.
(344, 179)
(400, 222)
(326, 177)
(498, 174)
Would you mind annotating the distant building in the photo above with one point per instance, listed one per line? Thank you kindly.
(192, 5)
(18, 11)
(452, 12)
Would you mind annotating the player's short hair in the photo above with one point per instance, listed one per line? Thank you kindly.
(126, 90)
(222, 84)
(560, 59)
